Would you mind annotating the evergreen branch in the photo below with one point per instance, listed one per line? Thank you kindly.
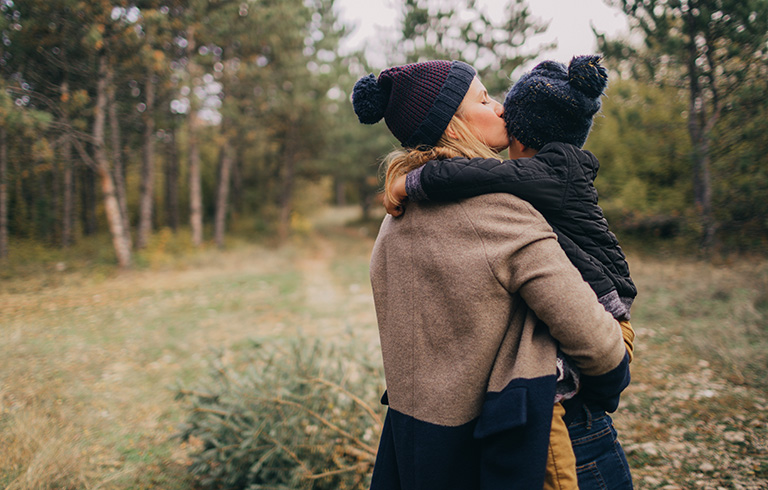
(83, 153)
(354, 398)
(288, 452)
(221, 413)
(72, 131)
(198, 394)
(346, 469)
(327, 423)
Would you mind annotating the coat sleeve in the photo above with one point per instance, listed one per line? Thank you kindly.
(528, 178)
(592, 270)
(526, 259)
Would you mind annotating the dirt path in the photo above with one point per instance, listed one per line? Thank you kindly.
(88, 365)
(321, 289)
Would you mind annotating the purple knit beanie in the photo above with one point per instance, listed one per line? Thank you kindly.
(417, 101)
(553, 102)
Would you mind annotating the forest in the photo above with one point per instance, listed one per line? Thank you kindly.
(188, 204)
(220, 116)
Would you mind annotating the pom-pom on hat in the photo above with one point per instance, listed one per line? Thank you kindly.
(417, 101)
(553, 102)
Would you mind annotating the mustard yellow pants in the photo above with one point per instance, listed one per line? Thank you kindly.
(561, 462)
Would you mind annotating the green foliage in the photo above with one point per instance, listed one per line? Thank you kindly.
(740, 170)
(285, 416)
(274, 88)
(712, 52)
(641, 140)
(461, 29)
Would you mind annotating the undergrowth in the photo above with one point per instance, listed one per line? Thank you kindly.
(286, 415)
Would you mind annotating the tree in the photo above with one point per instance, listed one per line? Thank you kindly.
(56, 44)
(462, 30)
(714, 46)
(353, 169)
(740, 168)
(156, 32)
(19, 128)
(641, 140)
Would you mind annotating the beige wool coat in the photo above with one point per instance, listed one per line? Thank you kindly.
(472, 299)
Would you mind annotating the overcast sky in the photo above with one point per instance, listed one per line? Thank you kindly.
(569, 23)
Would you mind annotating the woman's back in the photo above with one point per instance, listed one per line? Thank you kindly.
(461, 345)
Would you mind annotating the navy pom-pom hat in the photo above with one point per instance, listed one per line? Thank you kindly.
(553, 102)
(417, 101)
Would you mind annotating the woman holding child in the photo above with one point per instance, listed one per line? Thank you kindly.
(481, 312)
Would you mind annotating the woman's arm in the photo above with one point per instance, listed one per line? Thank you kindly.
(527, 260)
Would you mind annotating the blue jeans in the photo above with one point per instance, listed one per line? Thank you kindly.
(600, 461)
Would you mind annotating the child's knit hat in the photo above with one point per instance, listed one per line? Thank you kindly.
(417, 101)
(555, 103)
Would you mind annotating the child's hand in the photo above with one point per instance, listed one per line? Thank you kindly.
(394, 209)
(399, 195)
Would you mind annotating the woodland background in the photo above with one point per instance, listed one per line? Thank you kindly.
(187, 209)
(220, 116)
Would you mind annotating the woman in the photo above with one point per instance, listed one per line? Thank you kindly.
(459, 289)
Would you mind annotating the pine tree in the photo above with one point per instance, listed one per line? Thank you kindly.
(714, 46)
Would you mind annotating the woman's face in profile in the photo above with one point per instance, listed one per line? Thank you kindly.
(483, 115)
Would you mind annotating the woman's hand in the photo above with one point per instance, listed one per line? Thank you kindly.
(396, 208)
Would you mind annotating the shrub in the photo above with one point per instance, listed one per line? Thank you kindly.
(285, 416)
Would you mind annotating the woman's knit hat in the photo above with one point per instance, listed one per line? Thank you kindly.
(555, 103)
(417, 101)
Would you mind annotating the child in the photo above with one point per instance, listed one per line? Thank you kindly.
(548, 114)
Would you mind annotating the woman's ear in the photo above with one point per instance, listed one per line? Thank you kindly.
(450, 132)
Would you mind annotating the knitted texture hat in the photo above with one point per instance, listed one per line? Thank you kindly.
(555, 103)
(417, 101)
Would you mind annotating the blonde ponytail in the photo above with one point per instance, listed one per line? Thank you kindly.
(465, 144)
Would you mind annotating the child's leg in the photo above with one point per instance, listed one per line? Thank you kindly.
(561, 462)
(629, 337)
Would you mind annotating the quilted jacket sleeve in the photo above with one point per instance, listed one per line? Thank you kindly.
(528, 178)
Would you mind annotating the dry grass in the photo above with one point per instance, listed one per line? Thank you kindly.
(696, 413)
(89, 361)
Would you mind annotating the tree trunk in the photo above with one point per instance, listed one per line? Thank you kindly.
(172, 182)
(236, 185)
(148, 165)
(341, 191)
(67, 193)
(111, 204)
(3, 193)
(365, 198)
(698, 130)
(287, 174)
(88, 199)
(67, 180)
(195, 187)
(21, 215)
(222, 194)
(57, 191)
(117, 162)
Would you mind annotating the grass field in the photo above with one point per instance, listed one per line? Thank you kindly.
(90, 358)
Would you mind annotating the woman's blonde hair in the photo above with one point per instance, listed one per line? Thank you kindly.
(464, 144)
